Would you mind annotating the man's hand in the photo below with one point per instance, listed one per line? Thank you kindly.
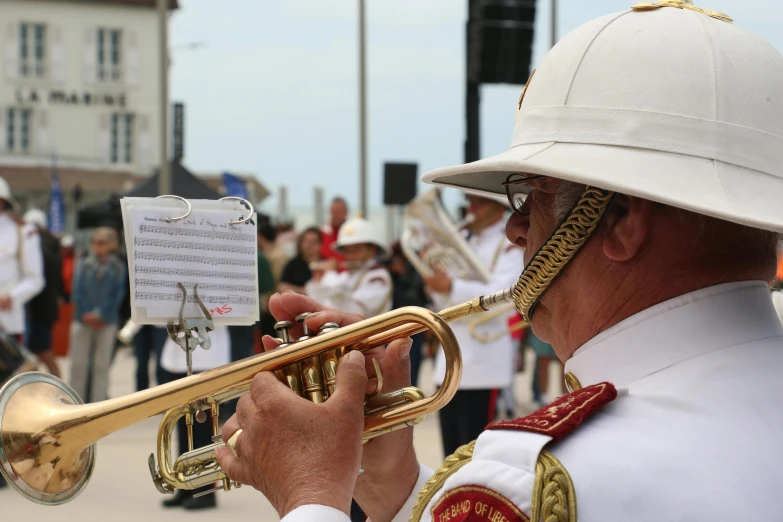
(390, 464)
(296, 452)
(439, 282)
(5, 302)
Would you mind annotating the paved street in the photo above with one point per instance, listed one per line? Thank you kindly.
(121, 488)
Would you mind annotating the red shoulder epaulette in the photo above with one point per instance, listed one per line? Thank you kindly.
(565, 414)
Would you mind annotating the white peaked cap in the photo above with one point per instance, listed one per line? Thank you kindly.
(668, 104)
(357, 231)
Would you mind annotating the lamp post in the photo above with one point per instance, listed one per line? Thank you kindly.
(362, 118)
(164, 176)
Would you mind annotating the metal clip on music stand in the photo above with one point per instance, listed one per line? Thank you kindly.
(196, 331)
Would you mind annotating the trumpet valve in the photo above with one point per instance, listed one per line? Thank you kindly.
(291, 374)
(329, 360)
(282, 327)
(312, 376)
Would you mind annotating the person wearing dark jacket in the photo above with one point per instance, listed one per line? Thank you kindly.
(42, 310)
(408, 291)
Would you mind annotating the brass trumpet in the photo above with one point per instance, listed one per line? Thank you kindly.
(47, 436)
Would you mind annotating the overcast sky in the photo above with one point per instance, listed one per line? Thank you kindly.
(273, 90)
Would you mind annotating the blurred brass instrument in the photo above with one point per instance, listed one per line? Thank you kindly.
(47, 436)
(431, 238)
(500, 311)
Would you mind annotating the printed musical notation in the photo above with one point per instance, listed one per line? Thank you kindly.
(181, 273)
(210, 234)
(181, 258)
(203, 249)
(221, 299)
(138, 241)
(202, 287)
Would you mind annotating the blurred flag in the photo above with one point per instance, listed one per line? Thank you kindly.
(56, 205)
(234, 186)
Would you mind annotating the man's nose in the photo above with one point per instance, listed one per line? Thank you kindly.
(517, 228)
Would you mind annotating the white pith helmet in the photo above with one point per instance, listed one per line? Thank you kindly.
(36, 217)
(673, 105)
(5, 193)
(357, 231)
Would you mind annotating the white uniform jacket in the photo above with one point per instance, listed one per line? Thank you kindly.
(21, 270)
(694, 434)
(484, 364)
(366, 291)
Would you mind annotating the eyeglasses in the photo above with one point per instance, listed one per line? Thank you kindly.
(517, 190)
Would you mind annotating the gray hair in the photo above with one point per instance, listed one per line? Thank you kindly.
(566, 198)
(704, 228)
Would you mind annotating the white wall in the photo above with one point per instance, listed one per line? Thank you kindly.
(79, 134)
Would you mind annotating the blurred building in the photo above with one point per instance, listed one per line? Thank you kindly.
(78, 82)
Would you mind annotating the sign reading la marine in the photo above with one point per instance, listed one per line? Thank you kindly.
(63, 97)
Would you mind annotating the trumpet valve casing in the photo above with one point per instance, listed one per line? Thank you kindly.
(329, 360)
(312, 375)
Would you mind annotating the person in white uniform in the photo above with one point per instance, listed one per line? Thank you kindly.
(646, 173)
(21, 267)
(364, 286)
(21, 264)
(488, 367)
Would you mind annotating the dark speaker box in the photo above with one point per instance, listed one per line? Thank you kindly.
(399, 183)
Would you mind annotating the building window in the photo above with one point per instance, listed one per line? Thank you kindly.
(122, 138)
(109, 55)
(17, 131)
(32, 50)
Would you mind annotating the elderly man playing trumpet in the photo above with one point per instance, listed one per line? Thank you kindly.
(645, 174)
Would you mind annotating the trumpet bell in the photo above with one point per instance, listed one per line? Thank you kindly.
(40, 464)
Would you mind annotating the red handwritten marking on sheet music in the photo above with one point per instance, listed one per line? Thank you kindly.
(222, 310)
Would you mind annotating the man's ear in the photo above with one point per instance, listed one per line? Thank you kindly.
(626, 225)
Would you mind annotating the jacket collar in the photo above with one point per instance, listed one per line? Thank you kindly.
(671, 332)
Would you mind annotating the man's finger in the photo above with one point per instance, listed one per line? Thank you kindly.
(287, 305)
(264, 388)
(396, 365)
(230, 427)
(330, 315)
(350, 383)
(232, 465)
(269, 343)
(378, 353)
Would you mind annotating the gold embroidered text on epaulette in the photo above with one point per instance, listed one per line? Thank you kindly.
(450, 466)
(554, 496)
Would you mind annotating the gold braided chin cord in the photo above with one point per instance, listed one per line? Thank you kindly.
(554, 498)
(452, 463)
(564, 243)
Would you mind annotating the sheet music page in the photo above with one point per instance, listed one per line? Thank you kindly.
(202, 249)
